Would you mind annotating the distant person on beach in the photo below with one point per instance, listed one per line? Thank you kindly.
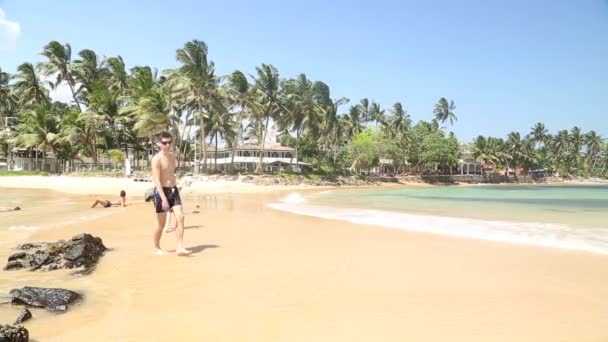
(107, 204)
(166, 194)
(7, 209)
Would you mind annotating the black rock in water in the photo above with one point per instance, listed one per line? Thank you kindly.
(82, 250)
(24, 315)
(40, 297)
(10, 333)
(13, 265)
(28, 245)
(17, 256)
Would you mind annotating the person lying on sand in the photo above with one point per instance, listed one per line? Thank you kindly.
(107, 204)
(7, 209)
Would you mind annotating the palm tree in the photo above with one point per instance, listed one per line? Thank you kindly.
(151, 112)
(593, 146)
(576, 144)
(364, 111)
(376, 113)
(60, 64)
(87, 71)
(82, 129)
(444, 111)
(39, 128)
(400, 122)
(354, 121)
(119, 78)
(238, 86)
(29, 88)
(331, 127)
(302, 109)
(267, 96)
(539, 134)
(197, 83)
(8, 100)
(220, 125)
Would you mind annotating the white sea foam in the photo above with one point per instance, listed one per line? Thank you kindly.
(24, 227)
(563, 236)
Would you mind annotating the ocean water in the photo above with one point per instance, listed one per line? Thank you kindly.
(42, 209)
(567, 217)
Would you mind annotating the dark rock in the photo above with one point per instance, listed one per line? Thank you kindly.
(28, 245)
(51, 299)
(17, 256)
(24, 315)
(196, 212)
(10, 333)
(13, 265)
(82, 250)
(40, 258)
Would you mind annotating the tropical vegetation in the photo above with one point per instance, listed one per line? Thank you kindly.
(114, 111)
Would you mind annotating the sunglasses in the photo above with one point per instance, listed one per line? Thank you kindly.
(167, 142)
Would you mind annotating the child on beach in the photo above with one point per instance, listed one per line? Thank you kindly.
(107, 204)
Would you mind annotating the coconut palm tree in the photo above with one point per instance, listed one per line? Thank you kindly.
(301, 109)
(576, 140)
(39, 127)
(400, 121)
(118, 76)
(376, 113)
(364, 110)
(196, 82)
(152, 112)
(593, 147)
(268, 97)
(239, 88)
(87, 71)
(29, 88)
(221, 125)
(539, 134)
(59, 64)
(355, 119)
(8, 100)
(444, 112)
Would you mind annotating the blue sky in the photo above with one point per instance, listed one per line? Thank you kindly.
(506, 64)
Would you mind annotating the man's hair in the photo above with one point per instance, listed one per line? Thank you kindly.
(165, 135)
(123, 193)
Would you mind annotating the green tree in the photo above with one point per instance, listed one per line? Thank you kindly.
(59, 63)
(444, 111)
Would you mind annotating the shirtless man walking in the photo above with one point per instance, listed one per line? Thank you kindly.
(166, 195)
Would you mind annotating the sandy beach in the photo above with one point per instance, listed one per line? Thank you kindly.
(258, 274)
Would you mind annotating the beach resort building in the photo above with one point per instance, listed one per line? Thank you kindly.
(277, 158)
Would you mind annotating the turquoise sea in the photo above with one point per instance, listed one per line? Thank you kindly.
(568, 216)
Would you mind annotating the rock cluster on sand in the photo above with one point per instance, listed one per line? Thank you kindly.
(10, 333)
(82, 250)
(40, 297)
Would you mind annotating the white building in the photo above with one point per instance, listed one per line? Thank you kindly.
(247, 155)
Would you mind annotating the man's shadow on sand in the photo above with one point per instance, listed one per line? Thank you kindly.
(193, 227)
(198, 249)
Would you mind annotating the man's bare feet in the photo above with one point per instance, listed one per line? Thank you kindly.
(159, 251)
(183, 252)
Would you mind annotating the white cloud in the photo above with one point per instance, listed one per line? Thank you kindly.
(9, 32)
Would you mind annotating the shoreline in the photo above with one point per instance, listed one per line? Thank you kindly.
(270, 275)
(209, 185)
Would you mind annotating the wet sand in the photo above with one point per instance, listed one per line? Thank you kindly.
(257, 274)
